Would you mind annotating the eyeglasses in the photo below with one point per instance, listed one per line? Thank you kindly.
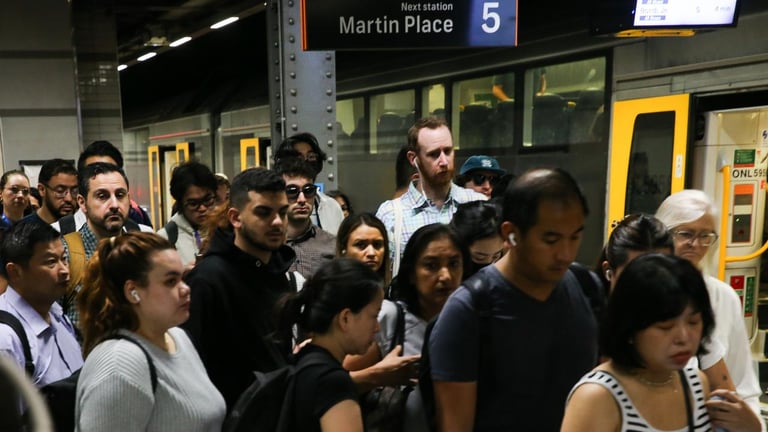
(293, 191)
(15, 190)
(479, 179)
(194, 204)
(705, 239)
(61, 191)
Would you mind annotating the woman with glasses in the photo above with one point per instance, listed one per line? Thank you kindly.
(476, 223)
(691, 218)
(15, 197)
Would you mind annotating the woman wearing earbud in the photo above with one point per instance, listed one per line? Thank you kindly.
(691, 218)
(338, 305)
(133, 287)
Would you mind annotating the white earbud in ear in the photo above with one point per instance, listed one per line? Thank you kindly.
(608, 274)
(135, 295)
(416, 163)
(512, 239)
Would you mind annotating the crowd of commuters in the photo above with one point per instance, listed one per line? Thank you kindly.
(471, 271)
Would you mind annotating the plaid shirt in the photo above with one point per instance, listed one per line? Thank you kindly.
(313, 248)
(89, 244)
(418, 211)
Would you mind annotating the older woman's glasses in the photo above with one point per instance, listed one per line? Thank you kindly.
(704, 238)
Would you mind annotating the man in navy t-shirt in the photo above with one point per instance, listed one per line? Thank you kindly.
(541, 336)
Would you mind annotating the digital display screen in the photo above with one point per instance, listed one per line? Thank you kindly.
(670, 13)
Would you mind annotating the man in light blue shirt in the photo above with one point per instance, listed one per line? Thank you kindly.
(36, 268)
(434, 198)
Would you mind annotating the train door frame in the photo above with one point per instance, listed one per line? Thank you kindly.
(624, 122)
(161, 160)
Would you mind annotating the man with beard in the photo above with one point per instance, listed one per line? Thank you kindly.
(238, 282)
(104, 200)
(313, 246)
(434, 197)
(57, 184)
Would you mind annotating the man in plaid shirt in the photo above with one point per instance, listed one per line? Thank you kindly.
(434, 198)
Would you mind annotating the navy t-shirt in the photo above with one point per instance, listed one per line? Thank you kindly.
(538, 351)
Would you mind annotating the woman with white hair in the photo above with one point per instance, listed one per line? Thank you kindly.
(691, 219)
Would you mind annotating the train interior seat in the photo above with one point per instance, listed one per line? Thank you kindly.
(474, 122)
(584, 115)
(359, 136)
(550, 119)
(389, 131)
(502, 132)
(439, 112)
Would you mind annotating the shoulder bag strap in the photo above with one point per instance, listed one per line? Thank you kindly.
(77, 264)
(11, 321)
(152, 371)
(687, 394)
(67, 224)
(398, 233)
(398, 338)
(482, 302)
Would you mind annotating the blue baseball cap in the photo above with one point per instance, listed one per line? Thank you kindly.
(481, 162)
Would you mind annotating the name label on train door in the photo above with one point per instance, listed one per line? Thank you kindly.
(404, 24)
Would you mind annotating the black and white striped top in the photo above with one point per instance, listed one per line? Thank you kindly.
(631, 419)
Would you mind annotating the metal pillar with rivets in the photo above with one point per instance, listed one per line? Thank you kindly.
(302, 86)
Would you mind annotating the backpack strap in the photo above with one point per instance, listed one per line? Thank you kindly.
(11, 321)
(590, 286)
(398, 233)
(398, 338)
(152, 370)
(172, 231)
(130, 225)
(481, 299)
(77, 262)
(67, 224)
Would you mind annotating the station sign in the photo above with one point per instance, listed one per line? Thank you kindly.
(403, 24)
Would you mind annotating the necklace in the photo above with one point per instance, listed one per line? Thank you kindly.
(652, 383)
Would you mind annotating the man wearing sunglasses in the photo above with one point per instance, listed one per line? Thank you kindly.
(480, 173)
(312, 244)
(193, 187)
(57, 184)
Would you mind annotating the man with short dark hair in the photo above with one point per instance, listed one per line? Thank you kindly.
(57, 184)
(193, 186)
(434, 197)
(105, 152)
(313, 245)
(238, 282)
(35, 265)
(505, 357)
(327, 213)
(104, 200)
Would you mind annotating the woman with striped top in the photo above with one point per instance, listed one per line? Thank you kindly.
(656, 318)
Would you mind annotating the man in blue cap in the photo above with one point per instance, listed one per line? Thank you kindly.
(480, 173)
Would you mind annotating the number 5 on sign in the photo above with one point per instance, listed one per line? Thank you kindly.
(491, 16)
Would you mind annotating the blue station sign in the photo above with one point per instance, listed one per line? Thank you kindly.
(402, 24)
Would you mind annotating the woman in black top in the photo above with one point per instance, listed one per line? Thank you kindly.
(338, 307)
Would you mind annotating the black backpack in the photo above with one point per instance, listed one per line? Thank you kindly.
(60, 395)
(267, 404)
(172, 231)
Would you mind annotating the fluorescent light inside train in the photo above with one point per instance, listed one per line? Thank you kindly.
(122, 67)
(147, 56)
(180, 41)
(224, 22)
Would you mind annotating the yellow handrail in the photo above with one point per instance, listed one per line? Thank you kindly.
(724, 227)
(725, 171)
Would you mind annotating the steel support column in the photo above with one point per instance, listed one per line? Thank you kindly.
(302, 86)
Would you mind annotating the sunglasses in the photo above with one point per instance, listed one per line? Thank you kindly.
(293, 191)
(479, 179)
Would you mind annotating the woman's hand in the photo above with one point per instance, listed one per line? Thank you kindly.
(395, 369)
(731, 412)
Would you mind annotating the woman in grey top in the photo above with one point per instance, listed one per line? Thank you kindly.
(133, 287)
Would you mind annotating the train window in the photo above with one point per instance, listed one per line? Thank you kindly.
(563, 104)
(433, 100)
(650, 162)
(391, 116)
(481, 119)
(351, 126)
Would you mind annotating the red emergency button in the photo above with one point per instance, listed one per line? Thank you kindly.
(737, 282)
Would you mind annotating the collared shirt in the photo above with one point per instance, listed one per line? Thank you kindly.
(418, 211)
(90, 242)
(55, 351)
(313, 248)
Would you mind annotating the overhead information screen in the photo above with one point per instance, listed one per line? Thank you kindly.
(388, 24)
(693, 13)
